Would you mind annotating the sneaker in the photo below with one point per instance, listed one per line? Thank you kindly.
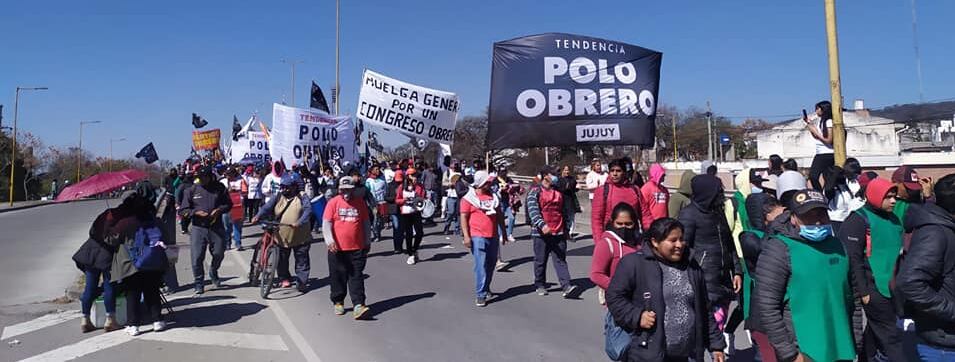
(241, 248)
(159, 326)
(285, 283)
(541, 291)
(86, 325)
(501, 265)
(411, 260)
(729, 343)
(480, 302)
(339, 309)
(301, 287)
(217, 283)
(569, 291)
(132, 330)
(510, 239)
(359, 311)
(200, 289)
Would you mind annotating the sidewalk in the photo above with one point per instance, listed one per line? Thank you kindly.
(20, 205)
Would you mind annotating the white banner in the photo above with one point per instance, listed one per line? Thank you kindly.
(416, 111)
(300, 134)
(251, 144)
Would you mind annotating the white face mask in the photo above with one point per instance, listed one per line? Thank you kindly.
(757, 190)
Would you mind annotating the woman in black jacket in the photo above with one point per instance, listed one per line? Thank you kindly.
(708, 233)
(658, 295)
(567, 185)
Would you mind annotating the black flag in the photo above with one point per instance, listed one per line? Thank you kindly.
(318, 99)
(198, 122)
(236, 127)
(148, 153)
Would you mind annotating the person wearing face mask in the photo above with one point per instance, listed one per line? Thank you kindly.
(620, 238)
(658, 295)
(410, 218)
(803, 296)
(205, 204)
(347, 235)
(293, 211)
(549, 229)
(872, 237)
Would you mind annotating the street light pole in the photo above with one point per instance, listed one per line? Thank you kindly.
(13, 150)
(79, 151)
(293, 63)
(109, 164)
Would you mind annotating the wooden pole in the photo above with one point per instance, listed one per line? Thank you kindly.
(835, 84)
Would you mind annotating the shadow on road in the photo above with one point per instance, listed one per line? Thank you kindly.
(381, 307)
(513, 292)
(513, 263)
(215, 315)
(584, 251)
(445, 256)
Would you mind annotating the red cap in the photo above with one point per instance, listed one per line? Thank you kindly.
(876, 191)
(399, 176)
(907, 176)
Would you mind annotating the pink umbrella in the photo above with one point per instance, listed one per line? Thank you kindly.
(100, 183)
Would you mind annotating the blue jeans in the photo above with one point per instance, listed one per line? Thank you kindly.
(508, 221)
(929, 353)
(399, 235)
(484, 251)
(92, 291)
(451, 220)
(237, 233)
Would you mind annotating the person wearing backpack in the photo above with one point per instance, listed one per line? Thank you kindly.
(872, 236)
(617, 189)
(926, 277)
(139, 261)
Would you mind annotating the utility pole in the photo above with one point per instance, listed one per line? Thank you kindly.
(13, 149)
(918, 57)
(673, 122)
(338, 41)
(835, 84)
(109, 165)
(709, 132)
(79, 150)
(292, 63)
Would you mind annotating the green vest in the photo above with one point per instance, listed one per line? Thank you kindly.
(901, 207)
(741, 210)
(884, 243)
(748, 281)
(820, 298)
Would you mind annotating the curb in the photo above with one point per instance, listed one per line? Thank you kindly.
(42, 203)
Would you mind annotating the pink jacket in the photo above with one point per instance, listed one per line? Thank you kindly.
(655, 195)
(608, 251)
(617, 193)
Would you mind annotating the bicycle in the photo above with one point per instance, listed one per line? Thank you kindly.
(263, 264)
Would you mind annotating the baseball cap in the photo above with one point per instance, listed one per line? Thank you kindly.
(789, 181)
(908, 177)
(286, 182)
(346, 183)
(482, 177)
(804, 201)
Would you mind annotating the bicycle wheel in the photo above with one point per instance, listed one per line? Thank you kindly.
(268, 275)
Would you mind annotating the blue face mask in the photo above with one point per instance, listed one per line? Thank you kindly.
(553, 180)
(757, 190)
(815, 232)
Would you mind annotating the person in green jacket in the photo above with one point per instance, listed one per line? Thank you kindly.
(683, 195)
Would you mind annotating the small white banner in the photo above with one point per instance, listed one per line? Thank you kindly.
(251, 144)
(416, 111)
(309, 134)
(598, 132)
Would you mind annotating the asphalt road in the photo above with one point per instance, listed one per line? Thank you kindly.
(424, 312)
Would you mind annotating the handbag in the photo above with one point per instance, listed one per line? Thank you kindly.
(616, 340)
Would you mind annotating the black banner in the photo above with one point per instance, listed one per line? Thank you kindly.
(560, 89)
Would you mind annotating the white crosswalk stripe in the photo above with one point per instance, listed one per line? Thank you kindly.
(39, 323)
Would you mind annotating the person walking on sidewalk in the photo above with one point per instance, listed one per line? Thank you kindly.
(293, 211)
(545, 211)
(205, 204)
(411, 192)
(481, 217)
(347, 228)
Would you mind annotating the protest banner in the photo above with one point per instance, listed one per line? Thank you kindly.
(560, 89)
(205, 140)
(419, 112)
(251, 145)
(301, 134)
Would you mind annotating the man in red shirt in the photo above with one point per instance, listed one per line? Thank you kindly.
(618, 189)
(545, 210)
(347, 226)
(481, 216)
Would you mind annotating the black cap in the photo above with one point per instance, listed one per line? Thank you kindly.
(548, 170)
(804, 201)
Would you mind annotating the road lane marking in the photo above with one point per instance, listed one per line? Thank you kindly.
(286, 323)
(51, 319)
(205, 337)
(82, 348)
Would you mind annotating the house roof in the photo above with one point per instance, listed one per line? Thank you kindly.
(917, 112)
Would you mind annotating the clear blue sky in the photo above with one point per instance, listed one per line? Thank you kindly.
(142, 68)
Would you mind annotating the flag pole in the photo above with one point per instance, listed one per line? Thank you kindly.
(338, 40)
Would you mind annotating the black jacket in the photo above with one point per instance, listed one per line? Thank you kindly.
(391, 195)
(752, 245)
(639, 276)
(853, 234)
(706, 231)
(95, 253)
(206, 198)
(926, 277)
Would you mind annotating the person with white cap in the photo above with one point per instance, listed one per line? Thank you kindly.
(787, 184)
(347, 231)
(481, 217)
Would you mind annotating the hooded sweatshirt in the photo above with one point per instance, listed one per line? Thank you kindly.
(741, 217)
(656, 196)
(707, 232)
(681, 198)
(926, 278)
